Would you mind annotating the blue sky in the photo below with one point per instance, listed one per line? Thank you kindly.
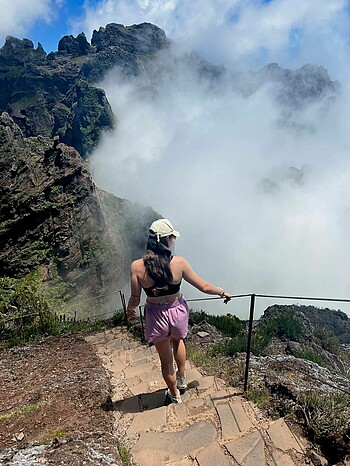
(49, 33)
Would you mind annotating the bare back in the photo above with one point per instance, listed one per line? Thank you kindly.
(179, 267)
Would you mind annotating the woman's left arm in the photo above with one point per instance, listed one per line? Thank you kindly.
(134, 300)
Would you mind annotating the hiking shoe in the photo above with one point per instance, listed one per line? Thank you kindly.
(172, 398)
(181, 382)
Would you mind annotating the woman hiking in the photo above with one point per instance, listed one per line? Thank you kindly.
(159, 274)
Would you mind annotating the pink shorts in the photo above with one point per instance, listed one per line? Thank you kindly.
(166, 320)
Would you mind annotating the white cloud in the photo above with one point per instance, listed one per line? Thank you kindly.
(18, 16)
(239, 32)
(218, 165)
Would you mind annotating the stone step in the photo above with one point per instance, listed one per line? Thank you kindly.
(233, 419)
(155, 448)
(282, 437)
(212, 455)
(248, 450)
(212, 426)
(149, 419)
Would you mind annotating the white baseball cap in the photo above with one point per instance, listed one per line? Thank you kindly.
(162, 228)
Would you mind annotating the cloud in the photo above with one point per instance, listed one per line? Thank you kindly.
(262, 206)
(18, 16)
(240, 33)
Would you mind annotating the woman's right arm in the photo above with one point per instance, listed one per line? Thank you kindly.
(135, 287)
(198, 282)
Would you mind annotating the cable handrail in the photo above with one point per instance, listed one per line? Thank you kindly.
(252, 296)
(258, 295)
(218, 297)
(304, 298)
(212, 298)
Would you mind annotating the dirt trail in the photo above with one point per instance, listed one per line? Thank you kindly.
(50, 405)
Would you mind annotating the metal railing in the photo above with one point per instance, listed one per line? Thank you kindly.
(252, 304)
(253, 299)
(63, 317)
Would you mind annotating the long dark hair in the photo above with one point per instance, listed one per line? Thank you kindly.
(157, 260)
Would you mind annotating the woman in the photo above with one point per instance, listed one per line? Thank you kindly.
(159, 274)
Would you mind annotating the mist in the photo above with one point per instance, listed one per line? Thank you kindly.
(261, 199)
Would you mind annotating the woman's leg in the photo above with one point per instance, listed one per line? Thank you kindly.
(179, 355)
(167, 363)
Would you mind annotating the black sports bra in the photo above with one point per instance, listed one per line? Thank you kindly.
(154, 290)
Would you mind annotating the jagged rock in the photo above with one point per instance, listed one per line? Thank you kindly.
(140, 38)
(55, 94)
(301, 86)
(75, 46)
(52, 214)
(16, 51)
(335, 320)
(36, 89)
(81, 116)
(204, 334)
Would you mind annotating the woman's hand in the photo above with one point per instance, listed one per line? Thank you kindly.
(226, 296)
(131, 313)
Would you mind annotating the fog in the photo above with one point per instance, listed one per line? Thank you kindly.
(261, 199)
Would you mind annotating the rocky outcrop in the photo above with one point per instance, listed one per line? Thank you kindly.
(52, 214)
(55, 94)
(313, 320)
(299, 87)
(74, 46)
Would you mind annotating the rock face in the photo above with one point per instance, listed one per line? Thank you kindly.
(52, 214)
(335, 321)
(309, 341)
(299, 87)
(55, 94)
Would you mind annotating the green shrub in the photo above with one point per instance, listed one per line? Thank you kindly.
(289, 325)
(118, 318)
(259, 396)
(284, 325)
(237, 344)
(27, 312)
(310, 355)
(124, 455)
(325, 415)
(228, 324)
(327, 339)
(24, 312)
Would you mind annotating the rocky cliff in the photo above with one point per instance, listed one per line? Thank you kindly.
(55, 94)
(52, 215)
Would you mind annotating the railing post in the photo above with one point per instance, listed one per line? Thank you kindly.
(142, 328)
(249, 343)
(122, 299)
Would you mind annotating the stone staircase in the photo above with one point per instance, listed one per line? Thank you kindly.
(214, 425)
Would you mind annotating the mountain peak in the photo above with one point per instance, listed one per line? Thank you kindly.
(75, 46)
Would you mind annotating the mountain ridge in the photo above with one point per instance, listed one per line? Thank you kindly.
(45, 96)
